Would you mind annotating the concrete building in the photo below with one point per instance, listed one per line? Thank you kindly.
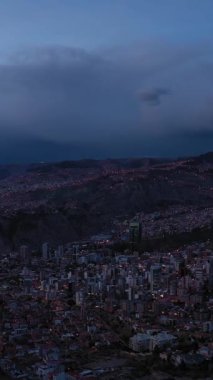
(45, 251)
(155, 277)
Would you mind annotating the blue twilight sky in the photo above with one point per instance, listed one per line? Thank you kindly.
(105, 78)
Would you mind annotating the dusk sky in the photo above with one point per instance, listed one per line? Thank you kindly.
(105, 78)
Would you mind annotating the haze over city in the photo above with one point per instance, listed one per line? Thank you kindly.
(105, 79)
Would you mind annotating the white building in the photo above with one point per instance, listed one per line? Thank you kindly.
(150, 340)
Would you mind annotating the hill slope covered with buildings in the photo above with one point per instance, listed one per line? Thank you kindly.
(74, 199)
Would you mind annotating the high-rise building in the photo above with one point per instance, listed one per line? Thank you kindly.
(135, 232)
(25, 254)
(60, 251)
(199, 273)
(45, 251)
(211, 275)
(155, 277)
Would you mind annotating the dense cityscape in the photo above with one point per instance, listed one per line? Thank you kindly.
(87, 310)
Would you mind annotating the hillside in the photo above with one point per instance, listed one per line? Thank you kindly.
(73, 199)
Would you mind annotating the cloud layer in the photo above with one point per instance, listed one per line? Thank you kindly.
(153, 97)
(102, 99)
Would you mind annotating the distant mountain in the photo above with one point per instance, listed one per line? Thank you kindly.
(131, 163)
(203, 158)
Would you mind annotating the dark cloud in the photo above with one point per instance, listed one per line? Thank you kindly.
(87, 100)
(153, 97)
(67, 95)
